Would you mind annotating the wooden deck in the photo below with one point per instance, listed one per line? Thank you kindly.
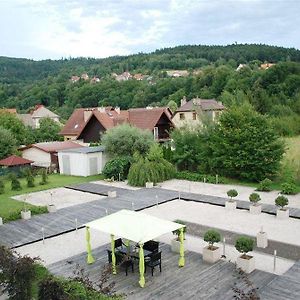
(197, 280)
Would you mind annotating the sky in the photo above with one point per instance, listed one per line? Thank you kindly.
(43, 29)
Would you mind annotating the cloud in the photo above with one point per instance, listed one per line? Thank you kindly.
(54, 28)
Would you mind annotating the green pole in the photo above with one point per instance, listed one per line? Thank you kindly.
(90, 258)
(113, 255)
(181, 250)
(141, 265)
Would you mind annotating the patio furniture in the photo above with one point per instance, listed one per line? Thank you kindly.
(137, 227)
(151, 246)
(155, 260)
(122, 260)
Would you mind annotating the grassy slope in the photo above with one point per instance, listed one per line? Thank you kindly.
(9, 206)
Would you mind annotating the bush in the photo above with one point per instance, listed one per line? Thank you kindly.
(244, 244)
(232, 194)
(2, 187)
(265, 185)
(29, 177)
(254, 198)
(117, 166)
(281, 201)
(16, 215)
(288, 188)
(200, 177)
(15, 183)
(212, 236)
(44, 177)
(51, 288)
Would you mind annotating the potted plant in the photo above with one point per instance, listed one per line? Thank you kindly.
(175, 243)
(211, 253)
(231, 204)
(25, 213)
(51, 207)
(245, 262)
(255, 208)
(282, 211)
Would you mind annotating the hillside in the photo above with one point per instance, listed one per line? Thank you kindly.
(210, 73)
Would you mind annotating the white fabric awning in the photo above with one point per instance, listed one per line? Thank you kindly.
(134, 226)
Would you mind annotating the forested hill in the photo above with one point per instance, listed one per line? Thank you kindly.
(14, 70)
(210, 72)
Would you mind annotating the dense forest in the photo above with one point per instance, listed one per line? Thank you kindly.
(212, 74)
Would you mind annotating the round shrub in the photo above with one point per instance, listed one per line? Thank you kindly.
(281, 201)
(232, 194)
(15, 183)
(244, 244)
(2, 188)
(117, 167)
(288, 188)
(265, 185)
(212, 236)
(254, 198)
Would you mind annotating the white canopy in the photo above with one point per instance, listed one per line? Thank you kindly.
(134, 226)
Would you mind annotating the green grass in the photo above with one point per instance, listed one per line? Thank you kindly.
(10, 209)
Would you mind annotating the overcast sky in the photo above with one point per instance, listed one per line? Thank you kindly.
(41, 29)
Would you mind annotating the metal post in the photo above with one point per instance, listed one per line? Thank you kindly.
(76, 225)
(274, 266)
(204, 179)
(119, 176)
(224, 251)
(179, 195)
(106, 211)
(217, 178)
(43, 235)
(132, 205)
(156, 200)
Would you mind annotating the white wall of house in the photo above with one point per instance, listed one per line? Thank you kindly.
(40, 158)
(81, 164)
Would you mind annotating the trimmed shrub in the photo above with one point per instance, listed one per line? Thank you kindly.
(244, 244)
(191, 176)
(288, 188)
(15, 183)
(117, 166)
(2, 187)
(29, 177)
(232, 194)
(44, 177)
(281, 201)
(265, 185)
(254, 198)
(212, 236)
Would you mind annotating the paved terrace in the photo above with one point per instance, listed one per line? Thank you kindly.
(197, 280)
(21, 232)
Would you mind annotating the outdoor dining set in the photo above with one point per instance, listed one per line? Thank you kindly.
(126, 255)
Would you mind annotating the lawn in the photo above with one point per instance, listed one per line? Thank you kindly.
(10, 208)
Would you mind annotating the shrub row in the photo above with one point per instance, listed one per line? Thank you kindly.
(35, 210)
(199, 177)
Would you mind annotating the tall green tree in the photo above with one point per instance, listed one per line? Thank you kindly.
(48, 131)
(8, 144)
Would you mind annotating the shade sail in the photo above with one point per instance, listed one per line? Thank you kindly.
(134, 226)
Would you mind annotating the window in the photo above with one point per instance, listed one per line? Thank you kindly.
(181, 116)
(194, 116)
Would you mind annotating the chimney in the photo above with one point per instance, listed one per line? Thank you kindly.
(86, 114)
(117, 109)
(183, 101)
(101, 109)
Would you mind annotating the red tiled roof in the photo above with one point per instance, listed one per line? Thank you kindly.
(14, 160)
(204, 104)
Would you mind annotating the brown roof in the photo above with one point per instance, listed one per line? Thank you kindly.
(14, 160)
(51, 147)
(9, 110)
(204, 104)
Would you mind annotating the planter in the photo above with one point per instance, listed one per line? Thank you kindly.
(230, 205)
(246, 263)
(211, 255)
(1, 221)
(51, 208)
(149, 185)
(262, 240)
(255, 209)
(112, 194)
(283, 213)
(175, 246)
(26, 215)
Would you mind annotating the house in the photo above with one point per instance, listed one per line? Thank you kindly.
(122, 77)
(177, 73)
(95, 79)
(240, 67)
(14, 163)
(75, 79)
(88, 124)
(84, 76)
(33, 119)
(138, 76)
(45, 154)
(189, 113)
(266, 66)
(84, 161)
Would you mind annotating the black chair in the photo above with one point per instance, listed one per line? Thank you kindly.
(122, 260)
(151, 246)
(118, 243)
(155, 260)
